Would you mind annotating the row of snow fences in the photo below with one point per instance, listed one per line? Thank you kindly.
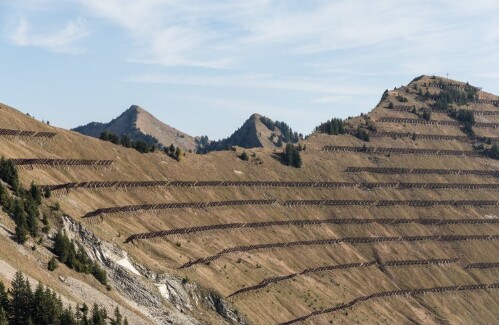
(303, 223)
(482, 265)
(485, 101)
(179, 205)
(20, 133)
(405, 108)
(366, 185)
(434, 122)
(422, 171)
(346, 240)
(419, 136)
(447, 85)
(402, 151)
(382, 203)
(394, 293)
(60, 162)
(289, 203)
(268, 281)
(395, 135)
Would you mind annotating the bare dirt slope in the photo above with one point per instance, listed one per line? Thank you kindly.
(290, 286)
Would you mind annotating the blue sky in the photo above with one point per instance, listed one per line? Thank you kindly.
(205, 66)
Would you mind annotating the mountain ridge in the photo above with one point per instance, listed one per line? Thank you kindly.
(257, 131)
(139, 124)
(302, 243)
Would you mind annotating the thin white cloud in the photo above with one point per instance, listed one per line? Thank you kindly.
(61, 41)
(331, 99)
(258, 81)
(234, 34)
(168, 32)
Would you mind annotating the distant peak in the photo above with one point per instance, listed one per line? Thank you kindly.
(135, 109)
(255, 116)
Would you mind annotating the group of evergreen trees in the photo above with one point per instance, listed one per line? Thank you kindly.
(202, 143)
(24, 206)
(287, 134)
(139, 145)
(362, 134)
(464, 116)
(493, 152)
(76, 258)
(243, 136)
(175, 153)
(23, 306)
(291, 155)
(8, 173)
(332, 127)
(427, 115)
(449, 95)
(402, 99)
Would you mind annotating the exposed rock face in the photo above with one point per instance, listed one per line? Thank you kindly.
(139, 124)
(165, 299)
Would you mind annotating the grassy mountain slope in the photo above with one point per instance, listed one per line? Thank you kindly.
(303, 294)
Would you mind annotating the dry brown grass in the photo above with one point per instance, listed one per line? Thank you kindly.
(301, 295)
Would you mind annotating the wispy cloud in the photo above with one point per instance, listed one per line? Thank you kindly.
(258, 81)
(60, 41)
(331, 99)
(169, 32)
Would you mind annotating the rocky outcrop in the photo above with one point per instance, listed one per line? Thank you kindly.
(164, 298)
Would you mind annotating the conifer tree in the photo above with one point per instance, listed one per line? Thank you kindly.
(32, 216)
(288, 154)
(8, 173)
(52, 264)
(21, 298)
(118, 319)
(84, 311)
(61, 246)
(4, 302)
(125, 141)
(19, 215)
(296, 159)
(5, 199)
(3, 317)
(67, 317)
(494, 151)
(47, 193)
(35, 193)
(21, 306)
(244, 156)
(171, 150)
(98, 315)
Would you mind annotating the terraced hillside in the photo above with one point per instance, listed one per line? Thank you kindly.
(401, 229)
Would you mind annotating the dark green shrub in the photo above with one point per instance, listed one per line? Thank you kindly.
(244, 156)
(52, 265)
